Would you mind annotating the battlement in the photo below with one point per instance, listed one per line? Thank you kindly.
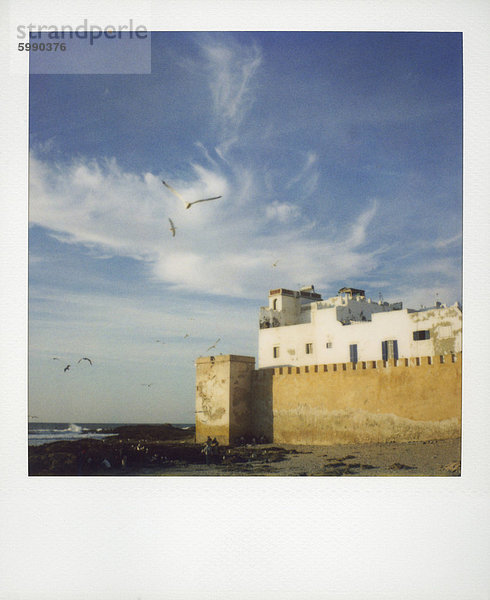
(407, 399)
(224, 358)
(360, 366)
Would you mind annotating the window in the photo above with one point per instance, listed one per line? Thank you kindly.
(274, 304)
(421, 335)
(275, 351)
(328, 345)
(389, 349)
(309, 348)
(353, 353)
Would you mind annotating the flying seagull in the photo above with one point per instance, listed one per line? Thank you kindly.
(214, 345)
(172, 227)
(186, 336)
(147, 384)
(187, 204)
(85, 358)
(67, 368)
(275, 264)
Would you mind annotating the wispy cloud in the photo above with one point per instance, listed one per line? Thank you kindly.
(281, 211)
(414, 296)
(204, 150)
(127, 330)
(442, 267)
(445, 242)
(221, 247)
(358, 230)
(308, 176)
(231, 68)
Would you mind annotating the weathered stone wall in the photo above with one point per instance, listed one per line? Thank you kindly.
(223, 406)
(373, 401)
(261, 400)
(241, 418)
(377, 401)
(212, 399)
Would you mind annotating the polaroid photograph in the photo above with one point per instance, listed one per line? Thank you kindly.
(240, 245)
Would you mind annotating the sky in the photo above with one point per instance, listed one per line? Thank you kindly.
(338, 157)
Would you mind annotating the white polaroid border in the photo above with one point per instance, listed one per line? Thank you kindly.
(130, 538)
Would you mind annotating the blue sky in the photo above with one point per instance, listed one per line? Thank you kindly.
(337, 155)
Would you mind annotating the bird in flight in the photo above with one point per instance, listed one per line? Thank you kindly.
(214, 345)
(275, 264)
(33, 417)
(67, 368)
(85, 358)
(172, 227)
(186, 335)
(187, 204)
(147, 384)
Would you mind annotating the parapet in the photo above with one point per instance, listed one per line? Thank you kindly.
(221, 358)
(369, 364)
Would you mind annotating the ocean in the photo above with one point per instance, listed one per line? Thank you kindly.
(44, 433)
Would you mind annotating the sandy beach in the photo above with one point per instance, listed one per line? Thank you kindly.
(432, 458)
(163, 450)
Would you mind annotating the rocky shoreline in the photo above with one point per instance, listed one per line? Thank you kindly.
(166, 450)
(134, 450)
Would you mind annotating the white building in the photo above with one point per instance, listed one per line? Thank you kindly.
(299, 328)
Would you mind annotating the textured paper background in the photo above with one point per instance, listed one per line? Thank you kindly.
(246, 537)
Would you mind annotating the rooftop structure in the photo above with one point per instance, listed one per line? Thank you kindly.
(300, 328)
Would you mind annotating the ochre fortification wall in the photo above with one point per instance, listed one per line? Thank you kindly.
(375, 401)
(223, 397)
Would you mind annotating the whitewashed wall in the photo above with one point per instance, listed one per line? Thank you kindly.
(322, 326)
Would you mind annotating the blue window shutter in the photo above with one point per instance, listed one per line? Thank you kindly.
(353, 353)
(384, 350)
(395, 349)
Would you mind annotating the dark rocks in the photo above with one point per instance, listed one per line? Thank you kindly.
(398, 467)
(153, 432)
(134, 447)
(454, 468)
(139, 448)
